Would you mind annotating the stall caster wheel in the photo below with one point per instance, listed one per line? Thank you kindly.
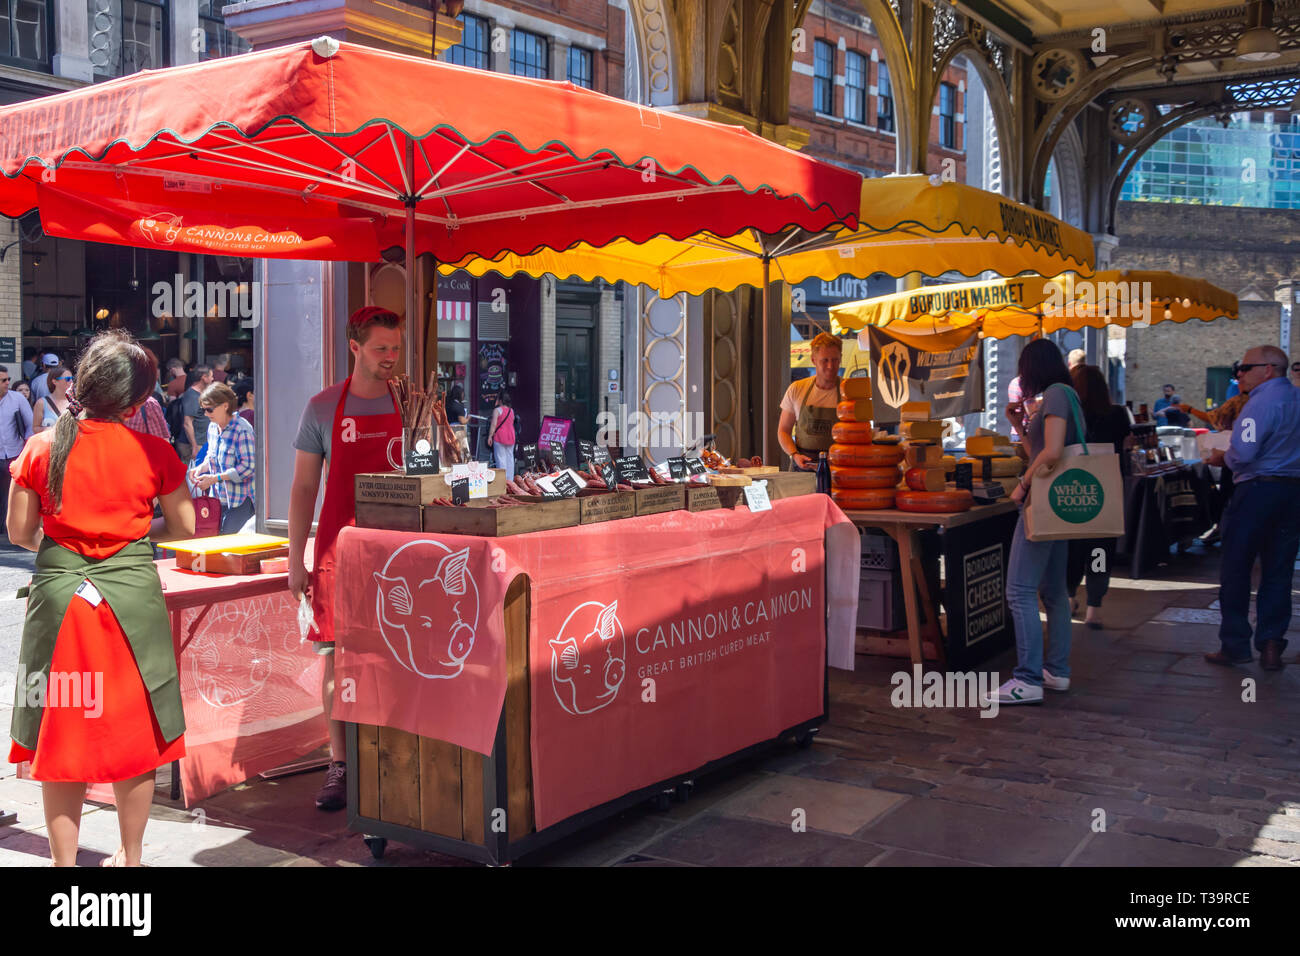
(804, 740)
(683, 791)
(377, 846)
(663, 800)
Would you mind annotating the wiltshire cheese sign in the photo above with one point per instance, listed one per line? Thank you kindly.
(945, 370)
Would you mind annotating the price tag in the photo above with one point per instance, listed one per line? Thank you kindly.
(566, 484)
(677, 469)
(964, 476)
(422, 459)
(600, 455)
(695, 466)
(528, 457)
(586, 451)
(459, 491)
(555, 453)
(610, 474)
(476, 473)
(632, 468)
(756, 497)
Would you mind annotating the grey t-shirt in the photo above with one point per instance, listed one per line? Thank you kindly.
(1056, 402)
(190, 406)
(314, 431)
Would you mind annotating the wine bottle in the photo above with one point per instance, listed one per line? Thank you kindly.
(823, 474)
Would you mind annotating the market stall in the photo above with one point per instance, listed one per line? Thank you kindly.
(509, 690)
(249, 686)
(1163, 510)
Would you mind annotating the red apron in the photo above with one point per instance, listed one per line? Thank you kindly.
(358, 444)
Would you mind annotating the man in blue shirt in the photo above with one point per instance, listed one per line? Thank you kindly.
(1262, 519)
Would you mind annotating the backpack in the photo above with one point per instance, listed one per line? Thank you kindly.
(175, 414)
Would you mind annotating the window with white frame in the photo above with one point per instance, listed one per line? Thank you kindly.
(217, 40)
(823, 77)
(884, 100)
(580, 67)
(25, 33)
(948, 115)
(127, 36)
(474, 47)
(855, 87)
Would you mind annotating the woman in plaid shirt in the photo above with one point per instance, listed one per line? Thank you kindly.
(228, 465)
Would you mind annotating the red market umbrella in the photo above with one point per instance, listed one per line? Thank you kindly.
(328, 150)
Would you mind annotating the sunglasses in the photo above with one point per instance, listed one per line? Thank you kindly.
(1239, 367)
(206, 409)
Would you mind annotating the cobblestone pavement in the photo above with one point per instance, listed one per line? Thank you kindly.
(1152, 758)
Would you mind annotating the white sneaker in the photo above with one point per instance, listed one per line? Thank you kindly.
(1055, 683)
(1015, 691)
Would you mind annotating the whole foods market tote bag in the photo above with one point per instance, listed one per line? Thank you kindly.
(1082, 496)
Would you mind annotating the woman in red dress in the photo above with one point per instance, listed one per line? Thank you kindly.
(98, 697)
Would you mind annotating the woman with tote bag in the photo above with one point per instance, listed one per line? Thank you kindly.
(1037, 568)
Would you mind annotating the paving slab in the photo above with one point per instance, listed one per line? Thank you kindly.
(726, 841)
(976, 834)
(824, 805)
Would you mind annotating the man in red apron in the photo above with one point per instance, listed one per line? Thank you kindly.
(352, 427)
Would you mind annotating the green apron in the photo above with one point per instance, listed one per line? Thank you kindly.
(812, 429)
(128, 581)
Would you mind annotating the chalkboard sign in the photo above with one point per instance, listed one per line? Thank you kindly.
(610, 474)
(632, 468)
(677, 469)
(527, 458)
(586, 451)
(8, 349)
(964, 476)
(600, 455)
(566, 485)
(695, 466)
(554, 453)
(422, 459)
(459, 491)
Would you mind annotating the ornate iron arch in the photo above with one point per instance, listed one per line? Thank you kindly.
(994, 81)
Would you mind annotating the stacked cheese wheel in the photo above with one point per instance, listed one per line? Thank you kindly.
(864, 475)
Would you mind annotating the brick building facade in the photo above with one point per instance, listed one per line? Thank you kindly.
(1250, 252)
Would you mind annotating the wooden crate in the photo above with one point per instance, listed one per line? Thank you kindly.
(702, 499)
(437, 787)
(389, 517)
(395, 488)
(226, 562)
(660, 498)
(788, 484)
(478, 518)
(606, 506)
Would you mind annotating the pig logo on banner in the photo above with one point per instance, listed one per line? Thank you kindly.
(587, 659)
(161, 229)
(230, 656)
(429, 623)
(891, 374)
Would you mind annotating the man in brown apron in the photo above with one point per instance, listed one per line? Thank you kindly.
(808, 408)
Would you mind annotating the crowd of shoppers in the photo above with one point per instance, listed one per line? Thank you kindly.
(200, 428)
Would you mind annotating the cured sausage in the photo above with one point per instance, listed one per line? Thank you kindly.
(883, 477)
(864, 499)
(852, 433)
(935, 502)
(864, 456)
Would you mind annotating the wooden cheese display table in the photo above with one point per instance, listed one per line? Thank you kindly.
(976, 547)
(504, 692)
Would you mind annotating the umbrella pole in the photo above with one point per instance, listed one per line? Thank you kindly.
(766, 398)
(414, 356)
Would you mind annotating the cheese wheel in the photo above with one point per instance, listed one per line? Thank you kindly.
(934, 502)
(883, 477)
(994, 467)
(864, 456)
(925, 479)
(864, 499)
(855, 387)
(852, 433)
(858, 410)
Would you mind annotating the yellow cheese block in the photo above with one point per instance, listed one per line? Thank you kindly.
(227, 544)
(926, 431)
(984, 445)
(923, 454)
(994, 467)
(915, 412)
(855, 388)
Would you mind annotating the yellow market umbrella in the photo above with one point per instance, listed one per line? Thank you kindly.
(908, 224)
(1028, 304)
